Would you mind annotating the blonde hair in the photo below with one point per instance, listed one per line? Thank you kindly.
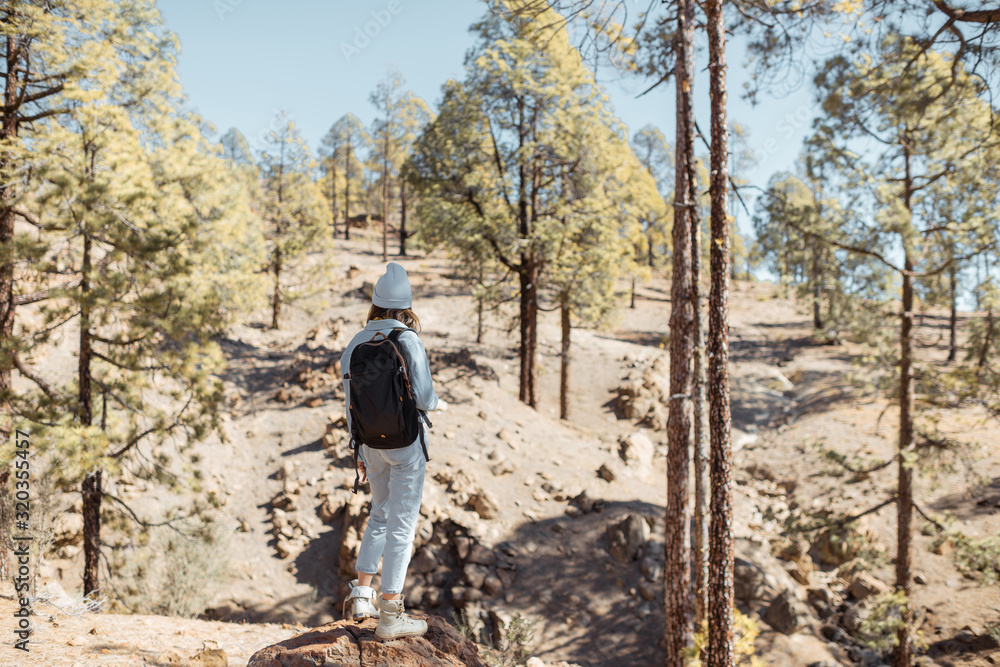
(404, 315)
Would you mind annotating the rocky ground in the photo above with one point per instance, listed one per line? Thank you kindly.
(559, 521)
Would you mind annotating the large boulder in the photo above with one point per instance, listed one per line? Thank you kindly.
(350, 644)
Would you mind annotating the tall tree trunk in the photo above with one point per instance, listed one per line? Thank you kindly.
(564, 358)
(528, 267)
(479, 310)
(529, 328)
(333, 196)
(385, 214)
(347, 194)
(7, 194)
(90, 489)
(817, 287)
(902, 654)
(953, 317)
(677, 579)
(631, 303)
(701, 460)
(276, 300)
(988, 333)
(402, 218)
(720, 574)
(7, 303)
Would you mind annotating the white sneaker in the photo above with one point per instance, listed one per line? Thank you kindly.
(393, 623)
(361, 599)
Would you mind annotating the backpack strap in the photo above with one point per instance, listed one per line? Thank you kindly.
(423, 431)
(396, 333)
(355, 446)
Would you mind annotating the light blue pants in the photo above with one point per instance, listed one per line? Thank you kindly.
(397, 482)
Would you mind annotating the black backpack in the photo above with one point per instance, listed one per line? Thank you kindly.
(384, 414)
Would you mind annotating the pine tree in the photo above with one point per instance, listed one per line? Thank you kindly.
(128, 213)
(293, 207)
(54, 53)
(402, 116)
(348, 140)
(489, 170)
(931, 122)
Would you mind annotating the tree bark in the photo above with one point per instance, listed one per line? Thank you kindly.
(276, 300)
(987, 341)
(385, 211)
(901, 656)
(902, 653)
(528, 274)
(631, 303)
(90, 488)
(817, 287)
(677, 579)
(564, 358)
(720, 575)
(347, 193)
(6, 525)
(92, 494)
(402, 218)
(528, 267)
(7, 303)
(953, 317)
(333, 195)
(701, 460)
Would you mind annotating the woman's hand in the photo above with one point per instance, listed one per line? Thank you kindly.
(363, 471)
(442, 405)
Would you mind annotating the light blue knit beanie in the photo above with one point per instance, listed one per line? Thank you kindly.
(393, 288)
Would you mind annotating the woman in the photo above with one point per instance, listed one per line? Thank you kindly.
(396, 475)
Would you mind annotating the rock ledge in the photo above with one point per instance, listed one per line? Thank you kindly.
(350, 644)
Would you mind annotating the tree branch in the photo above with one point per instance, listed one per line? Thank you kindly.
(967, 16)
(843, 520)
(42, 384)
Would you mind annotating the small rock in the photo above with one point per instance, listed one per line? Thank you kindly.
(919, 578)
(636, 450)
(627, 537)
(854, 616)
(483, 505)
(786, 614)
(648, 590)
(606, 473)
(748, 580)
(864, 586)
(481, 554)
(650, 568)
(475, 575)
(492, 584)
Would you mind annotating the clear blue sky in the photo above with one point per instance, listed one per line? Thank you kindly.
(243, 60)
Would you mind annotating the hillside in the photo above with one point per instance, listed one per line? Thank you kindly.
(518, 504)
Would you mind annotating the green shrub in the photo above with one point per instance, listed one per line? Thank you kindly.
(746, 632)
(173, 574)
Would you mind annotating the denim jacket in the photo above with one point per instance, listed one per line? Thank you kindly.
(414, 355)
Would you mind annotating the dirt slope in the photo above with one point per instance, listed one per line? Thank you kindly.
(788, 394)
